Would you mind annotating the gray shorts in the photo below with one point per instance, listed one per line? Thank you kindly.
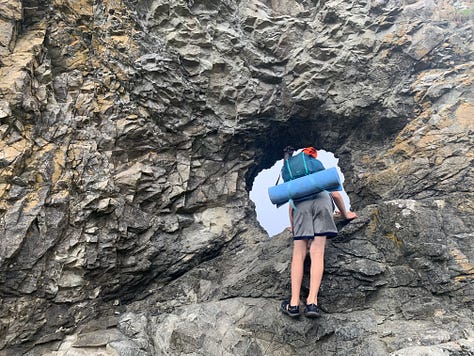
(314, 217)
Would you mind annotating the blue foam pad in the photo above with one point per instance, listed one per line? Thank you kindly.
(327, 179)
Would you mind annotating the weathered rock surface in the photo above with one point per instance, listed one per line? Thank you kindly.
(131, 132)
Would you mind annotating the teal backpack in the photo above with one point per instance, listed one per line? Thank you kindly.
(300, 165)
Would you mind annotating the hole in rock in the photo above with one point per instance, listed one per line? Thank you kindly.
(274, 220)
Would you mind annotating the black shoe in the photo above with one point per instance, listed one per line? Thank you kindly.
(312, 311)
(292, 311)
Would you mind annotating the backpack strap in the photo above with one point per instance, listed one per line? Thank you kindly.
(289, 169)
(304, 164)
(292, 203)
(315, 184)
(278, 179)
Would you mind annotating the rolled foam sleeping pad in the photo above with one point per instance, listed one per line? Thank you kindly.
(327, 179)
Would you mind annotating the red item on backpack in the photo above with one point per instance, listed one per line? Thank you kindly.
(311, 151)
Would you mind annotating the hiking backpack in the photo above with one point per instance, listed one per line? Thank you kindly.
(300, 165)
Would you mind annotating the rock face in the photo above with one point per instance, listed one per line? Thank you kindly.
(131, 132)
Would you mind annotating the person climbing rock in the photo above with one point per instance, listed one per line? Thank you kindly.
(312, 222)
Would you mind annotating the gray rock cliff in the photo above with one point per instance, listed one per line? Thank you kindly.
(131, 132)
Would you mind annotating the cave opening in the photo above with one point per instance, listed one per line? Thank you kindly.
(345, 136)
(272, 219)
(332, 135)
(327, 132)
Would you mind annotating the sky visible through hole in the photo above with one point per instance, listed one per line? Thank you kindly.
(274, 220)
